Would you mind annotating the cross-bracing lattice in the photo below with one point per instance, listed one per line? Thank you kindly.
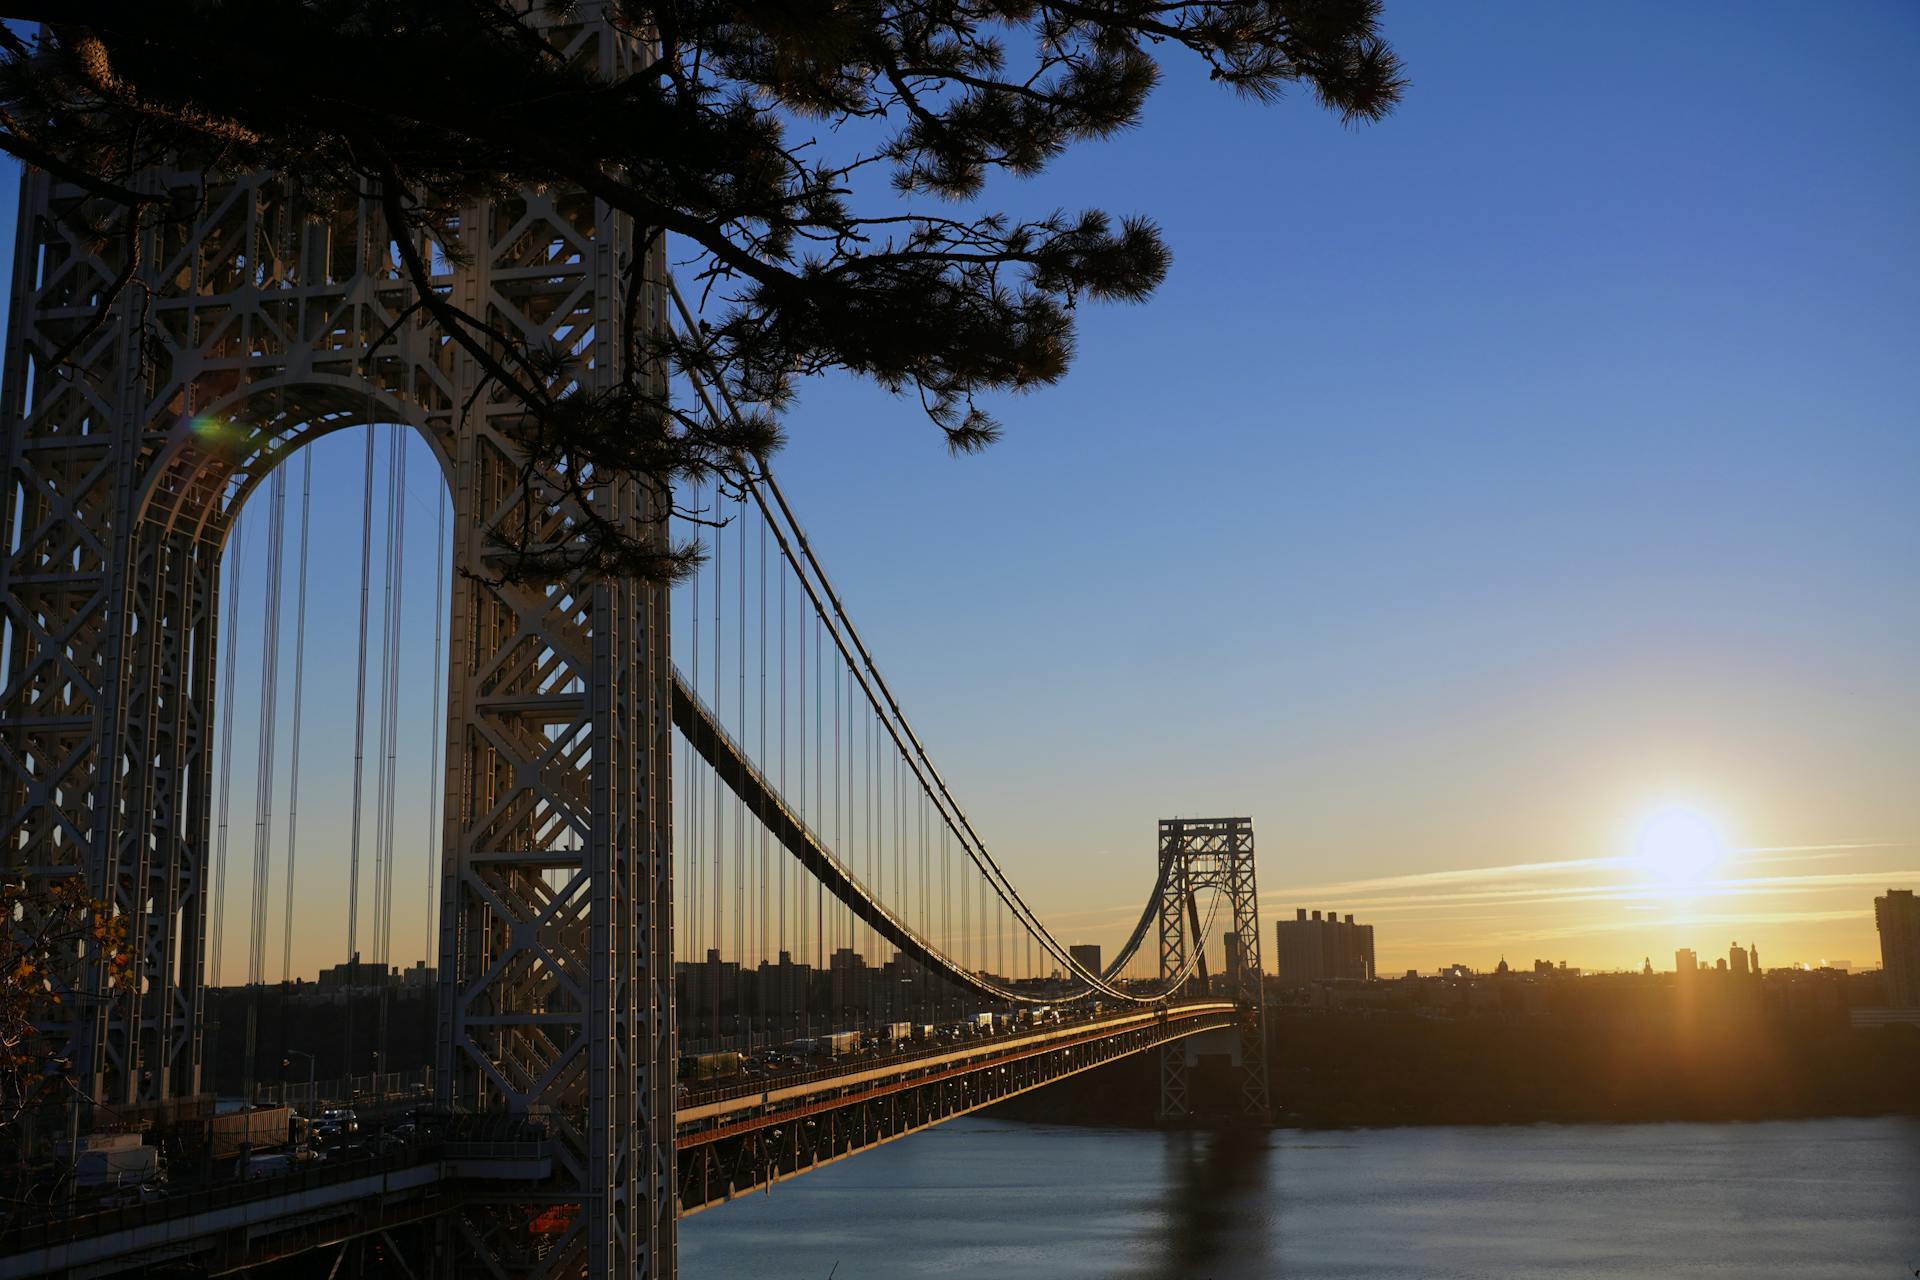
(255, 322)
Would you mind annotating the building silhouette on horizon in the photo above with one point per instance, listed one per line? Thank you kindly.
(1898, 918)
(1086, 955)
(1314, 949)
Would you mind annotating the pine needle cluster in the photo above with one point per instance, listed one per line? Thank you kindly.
(817, 168)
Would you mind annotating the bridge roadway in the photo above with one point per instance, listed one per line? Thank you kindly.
(731, 1140)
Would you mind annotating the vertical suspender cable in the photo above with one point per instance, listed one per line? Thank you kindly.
(696, 814)
(390, 695)
(360, 716)
(783, 750)
(263, 775)
(760, 988)
(359, 735)
(807, 815)
(838, 837)
(966, 914)
(438, 726)
(819, 800)
(739, 814)
(230, 644)
(299, 698)
(389, 789)
(269, 698)
(719, 887)
(381, 793)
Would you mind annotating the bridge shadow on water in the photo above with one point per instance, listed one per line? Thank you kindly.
(1220, 1210)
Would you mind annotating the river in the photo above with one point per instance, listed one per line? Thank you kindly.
(1800, 1199)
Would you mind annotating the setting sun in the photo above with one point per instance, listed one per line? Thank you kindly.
(1678, 846)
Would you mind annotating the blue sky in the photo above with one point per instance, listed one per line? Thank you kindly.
(1477, 480)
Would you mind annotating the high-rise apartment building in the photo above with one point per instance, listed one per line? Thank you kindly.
(1898, 916)
(1310, 949)
(1086, 955)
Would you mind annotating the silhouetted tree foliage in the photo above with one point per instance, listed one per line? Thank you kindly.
(42, 924)
(820, 165)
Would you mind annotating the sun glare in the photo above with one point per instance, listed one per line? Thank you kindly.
(1678, 847)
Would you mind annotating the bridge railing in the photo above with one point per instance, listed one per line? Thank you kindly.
(364, 1090)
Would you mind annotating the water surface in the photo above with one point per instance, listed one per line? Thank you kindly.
(1803, 1199)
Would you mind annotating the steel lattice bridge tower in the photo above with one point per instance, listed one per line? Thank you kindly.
(255, 325)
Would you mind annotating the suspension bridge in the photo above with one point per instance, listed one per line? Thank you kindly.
(665, 824)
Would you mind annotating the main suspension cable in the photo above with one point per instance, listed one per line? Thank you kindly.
(886, 707)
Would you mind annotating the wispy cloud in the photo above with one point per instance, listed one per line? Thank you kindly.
(1371, 889)
(1538, 895)
(1678, 920)
(1816, 848)
(1463, 875)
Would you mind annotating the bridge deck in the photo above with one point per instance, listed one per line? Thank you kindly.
(749, 1138)
(731, 1140)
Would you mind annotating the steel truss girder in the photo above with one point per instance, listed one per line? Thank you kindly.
(248, 330)
(791, 1140)
(1198, 854)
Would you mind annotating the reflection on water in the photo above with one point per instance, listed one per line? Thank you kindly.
(1801, 1199)
(1215, 1190)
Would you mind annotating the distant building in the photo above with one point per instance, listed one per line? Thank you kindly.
(1235, 956)
(356, 974)
(1685, 961)
(1737, 960)
(1310, 950)
(1898, 916)
(1086, 955)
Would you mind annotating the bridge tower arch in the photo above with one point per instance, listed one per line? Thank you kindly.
(1198, 854)
(255, 319)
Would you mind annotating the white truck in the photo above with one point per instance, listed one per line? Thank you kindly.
(117, 1160)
